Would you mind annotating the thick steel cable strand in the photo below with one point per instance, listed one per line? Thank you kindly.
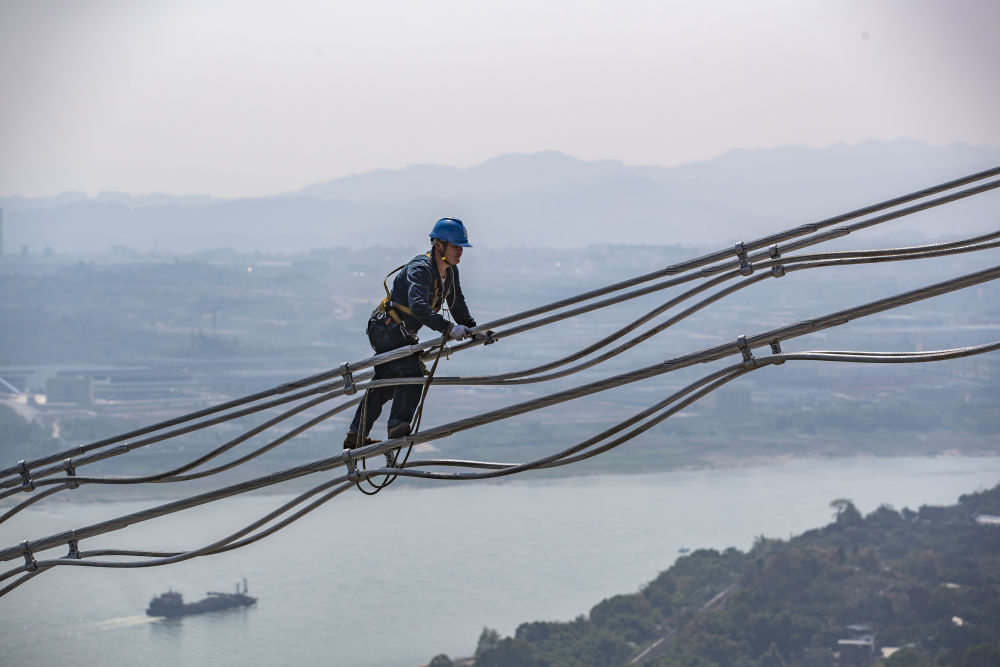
(709, 354)
(720, 378)
(789, 264)
(618, 333)
(684, 361)
(220, 546)
(686, 397)
(217, 545)
(833, 234)
(179, 478)
(713, 380)
(678, 268)
(727, 254)
(848, 257)
(703, 273)
(331, 391)
(881, 256)
(931, 250)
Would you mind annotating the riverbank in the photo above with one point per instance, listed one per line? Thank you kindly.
(642, 457)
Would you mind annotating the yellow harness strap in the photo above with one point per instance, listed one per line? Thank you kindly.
(389, 308)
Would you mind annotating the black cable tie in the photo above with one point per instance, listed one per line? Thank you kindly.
(773, 251)
(70, 472)
(745, 267)
(30, 563)
(776, 349)
(749, 360)
(778, 270)
(349, 387)
(26, 483)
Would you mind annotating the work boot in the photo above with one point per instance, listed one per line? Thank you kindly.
(351, 441)
(399, 430)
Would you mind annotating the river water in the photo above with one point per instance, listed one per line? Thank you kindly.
(392, 580)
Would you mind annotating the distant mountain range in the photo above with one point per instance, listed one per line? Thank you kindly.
(541, 199)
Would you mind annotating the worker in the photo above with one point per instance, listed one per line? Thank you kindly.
(418, 292)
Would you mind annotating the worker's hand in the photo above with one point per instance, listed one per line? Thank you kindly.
(486, 336)
(459, 332)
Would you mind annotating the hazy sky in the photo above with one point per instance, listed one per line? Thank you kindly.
(252, 97)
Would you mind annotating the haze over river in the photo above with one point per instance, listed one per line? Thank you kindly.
(392, 580)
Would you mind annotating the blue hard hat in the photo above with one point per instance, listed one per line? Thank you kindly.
(451, 230)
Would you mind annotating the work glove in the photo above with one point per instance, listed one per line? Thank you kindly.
(459, 332)
(486, 336)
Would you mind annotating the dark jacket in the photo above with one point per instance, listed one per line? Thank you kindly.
(415, 287)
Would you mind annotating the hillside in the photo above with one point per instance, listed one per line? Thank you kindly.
(543, 199)
(921, 587)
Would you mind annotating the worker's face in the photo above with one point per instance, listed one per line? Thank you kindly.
(452, 253)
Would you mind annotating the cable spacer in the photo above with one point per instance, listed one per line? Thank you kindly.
(349, 387)
(352, 469)
(749, 360)
(745, 267)
(773, 251)
(776, 349)
(74, 546)
(70, 472)
(30, 563)
(778, 270)
(22, 470)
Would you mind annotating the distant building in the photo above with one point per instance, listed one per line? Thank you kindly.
(69, 389)
(988, 520)
(859, 645)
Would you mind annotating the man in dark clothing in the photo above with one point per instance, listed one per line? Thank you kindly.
(420, 288)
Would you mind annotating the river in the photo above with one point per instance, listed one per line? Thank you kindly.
(394, 579)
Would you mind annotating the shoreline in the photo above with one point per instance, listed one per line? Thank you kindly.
(109, 494)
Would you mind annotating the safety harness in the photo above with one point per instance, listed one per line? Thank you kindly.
(392, 309)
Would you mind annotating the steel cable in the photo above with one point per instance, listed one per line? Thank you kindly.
(671, 270)
(717, 352)
(789, 263)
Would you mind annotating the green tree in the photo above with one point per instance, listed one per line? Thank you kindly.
(981, 655)
(488, 639)
(845, 513)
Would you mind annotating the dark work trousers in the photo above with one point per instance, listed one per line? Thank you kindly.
(384, 337)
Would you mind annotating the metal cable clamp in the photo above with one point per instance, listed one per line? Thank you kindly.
(70, 472)
(26, 483)
(349, 387)
(352, 468)
(746, 268)
(777, 270)
(30, 563)
(749, 360)
(74, 546)
(776, 349)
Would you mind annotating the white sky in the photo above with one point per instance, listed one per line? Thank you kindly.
(252, 97)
